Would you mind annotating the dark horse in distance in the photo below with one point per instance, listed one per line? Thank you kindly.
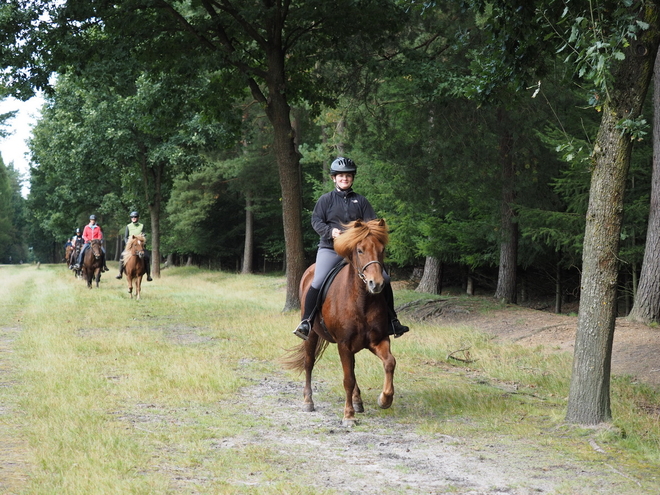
(134, 264)
(93, 263)
(353, 315)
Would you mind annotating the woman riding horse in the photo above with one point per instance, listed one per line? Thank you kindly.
(135, 228)
(90, 232)
(332, 211)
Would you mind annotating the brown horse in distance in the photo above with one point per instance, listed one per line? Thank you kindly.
(134, 264)
(353, 315)
(68, 251)
(93, 263)
(74, 257)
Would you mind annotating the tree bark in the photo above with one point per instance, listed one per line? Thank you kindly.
(288, 163)
(469, 289)
(248, 250)
(589, 395)
(152, 184)
(558, 288)
(646, 308)
(431, 281)
(506, 280)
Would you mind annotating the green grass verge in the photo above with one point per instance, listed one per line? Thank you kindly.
(108, 395)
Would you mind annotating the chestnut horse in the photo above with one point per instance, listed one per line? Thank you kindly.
(353, 315)
(68, 252)
(134, 264)
(93, 262)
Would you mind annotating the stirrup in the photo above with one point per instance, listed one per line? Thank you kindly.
(303, 330)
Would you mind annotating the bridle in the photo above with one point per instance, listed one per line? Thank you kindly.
(361, 270)
(137, 250)
(95, 248)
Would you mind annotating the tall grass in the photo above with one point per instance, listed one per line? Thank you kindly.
(108, 395)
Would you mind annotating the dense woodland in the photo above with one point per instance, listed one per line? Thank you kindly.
(508, 144)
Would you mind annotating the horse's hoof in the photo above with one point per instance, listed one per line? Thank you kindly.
(358, 406)
(308, 408)
(385, 402)
(349, 422)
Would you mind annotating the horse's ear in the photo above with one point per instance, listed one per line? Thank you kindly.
(381, 222)
(358, 223)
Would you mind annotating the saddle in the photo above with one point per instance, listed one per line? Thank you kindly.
(323, 292)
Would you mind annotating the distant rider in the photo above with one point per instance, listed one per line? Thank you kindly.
(90, 232)
(135, 228)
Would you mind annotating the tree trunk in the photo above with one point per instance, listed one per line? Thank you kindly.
(558, 288)
(248, 250)
(431, 281)
(288, 163)
(152, 183)
(589, 396)
(506, 280)
(646, 308)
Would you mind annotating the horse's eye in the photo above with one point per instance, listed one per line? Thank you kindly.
(359, 251)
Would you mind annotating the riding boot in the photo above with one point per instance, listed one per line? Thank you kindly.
(305, 325)
(121, 269)
(147, 267)
(396, 328)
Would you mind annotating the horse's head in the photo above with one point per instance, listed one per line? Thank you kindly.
(135, 245)
(96, 248)
(363, 244)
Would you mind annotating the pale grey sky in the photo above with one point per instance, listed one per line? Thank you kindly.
(14, 147)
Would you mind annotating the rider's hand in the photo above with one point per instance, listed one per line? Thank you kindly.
(336, 233)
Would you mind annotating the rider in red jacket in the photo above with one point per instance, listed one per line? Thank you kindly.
(90, 232)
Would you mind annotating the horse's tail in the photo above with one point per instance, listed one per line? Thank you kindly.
(294, 359)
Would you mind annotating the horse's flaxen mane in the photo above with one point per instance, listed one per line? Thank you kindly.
(358, 231)
(131, 243)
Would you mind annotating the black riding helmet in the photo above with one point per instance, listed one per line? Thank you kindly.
(343, 165)
(135, 214)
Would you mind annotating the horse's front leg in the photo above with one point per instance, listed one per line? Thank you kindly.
(310, 358)
(350, 384)
(357, 399)
(382, 350)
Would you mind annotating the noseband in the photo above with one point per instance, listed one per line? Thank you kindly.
(361, 270)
